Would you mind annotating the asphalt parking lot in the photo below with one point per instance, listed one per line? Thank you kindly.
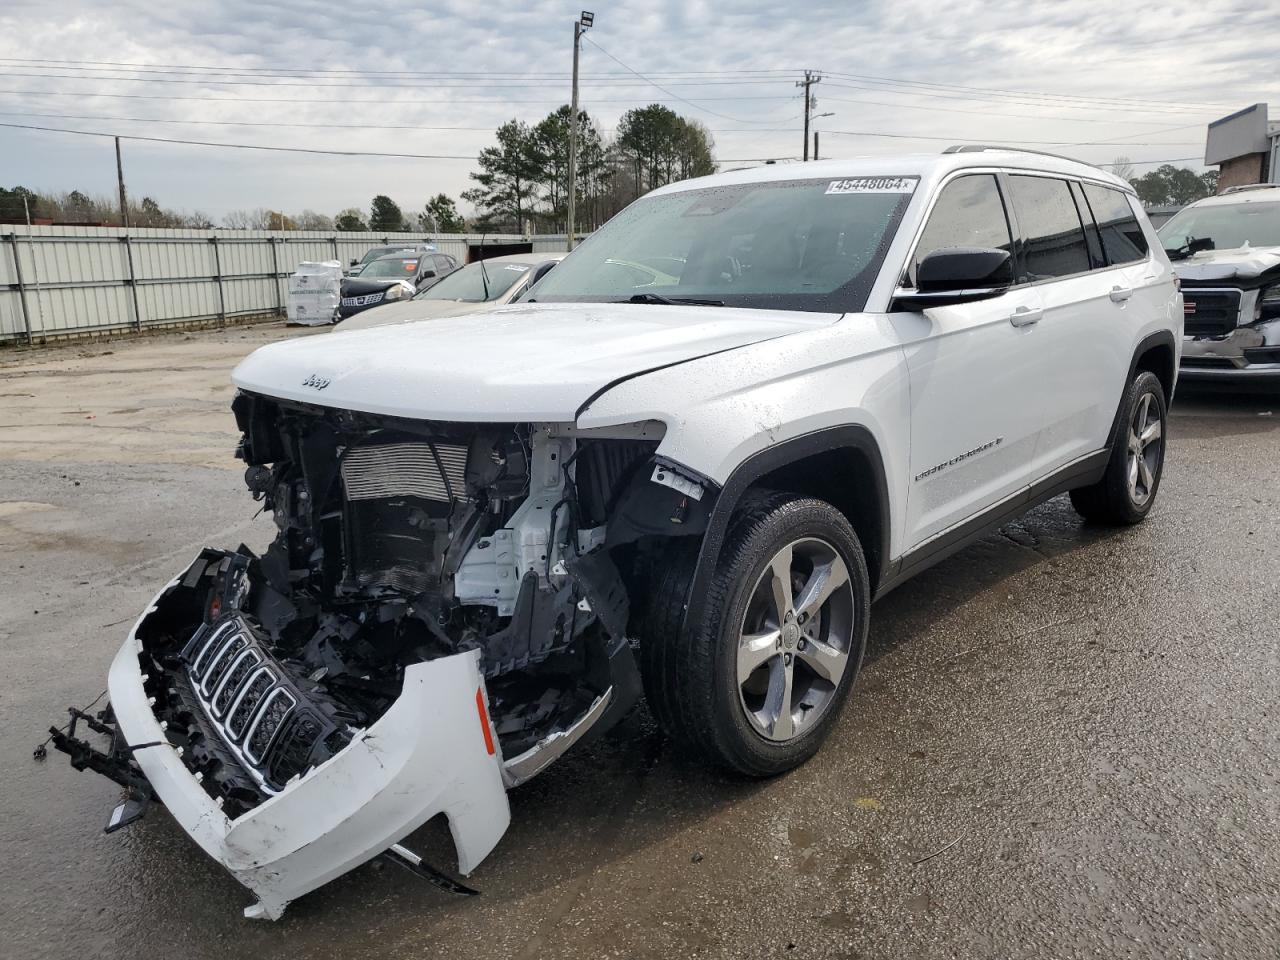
(1064, 742)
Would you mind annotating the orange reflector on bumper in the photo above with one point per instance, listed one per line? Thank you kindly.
(484, 720)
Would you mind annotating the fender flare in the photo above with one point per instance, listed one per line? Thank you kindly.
(846, 437)
(1161, 338)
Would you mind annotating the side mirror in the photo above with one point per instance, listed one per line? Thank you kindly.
(354, 262)
(957, 275)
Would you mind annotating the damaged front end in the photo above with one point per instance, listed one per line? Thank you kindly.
(442, 613)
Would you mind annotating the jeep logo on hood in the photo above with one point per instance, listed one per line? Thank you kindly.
(314, 381)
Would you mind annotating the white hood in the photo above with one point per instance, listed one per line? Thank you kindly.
(1243, 263)
(407, 310)
(529, 362)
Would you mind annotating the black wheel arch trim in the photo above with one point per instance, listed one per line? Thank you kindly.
(771, 458)
(1161, 338)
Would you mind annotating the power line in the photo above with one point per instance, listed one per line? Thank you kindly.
(437, 81)
(961, 97)
(245, 123)
(245, 146)
(658, 86)
(311, 84)
(989, 113)
(1033, 143)
(495, 100)
(765, 74)
(93, 64)
(334, 153)
(1026, 93)
(320, 125)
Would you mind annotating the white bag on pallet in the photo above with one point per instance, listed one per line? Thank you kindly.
(314, 291)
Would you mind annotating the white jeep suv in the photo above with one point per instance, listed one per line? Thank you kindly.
(739, 412)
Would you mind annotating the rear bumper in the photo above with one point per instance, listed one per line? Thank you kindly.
(428, 754)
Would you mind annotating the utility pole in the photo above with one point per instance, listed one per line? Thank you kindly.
(580, 26)
(810, 78)
(124, 205)
(815, 145)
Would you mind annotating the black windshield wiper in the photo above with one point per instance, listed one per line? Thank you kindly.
(656, 298)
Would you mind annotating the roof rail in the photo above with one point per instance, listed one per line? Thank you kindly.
(1251, 186)
(983, 147)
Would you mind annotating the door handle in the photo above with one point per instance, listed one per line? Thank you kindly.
(1025, 316)
(1121, 294)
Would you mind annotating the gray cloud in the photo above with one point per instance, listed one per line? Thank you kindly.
(1181, 64)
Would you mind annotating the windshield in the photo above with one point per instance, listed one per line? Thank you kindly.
(468, 284)
(377, 252)
(399, 267)
(1225, 227)
(810, 245)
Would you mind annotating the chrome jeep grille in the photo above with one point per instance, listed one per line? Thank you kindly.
(243, 693)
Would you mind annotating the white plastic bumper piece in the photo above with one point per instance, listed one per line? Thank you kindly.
(428, 754)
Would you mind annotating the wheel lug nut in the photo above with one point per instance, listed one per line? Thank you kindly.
(786, 659)
(800, 644)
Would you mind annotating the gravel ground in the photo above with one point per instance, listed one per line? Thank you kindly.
(1064, 742)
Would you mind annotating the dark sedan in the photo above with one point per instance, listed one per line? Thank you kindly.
(393, 277)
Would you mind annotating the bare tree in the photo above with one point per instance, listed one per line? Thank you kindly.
(1123, 168)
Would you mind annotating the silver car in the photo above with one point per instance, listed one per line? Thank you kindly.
(475, 287)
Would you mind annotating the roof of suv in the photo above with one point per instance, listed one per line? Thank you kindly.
(928, 166)
(1254, 193)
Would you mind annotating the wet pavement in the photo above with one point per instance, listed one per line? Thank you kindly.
(1064, 742)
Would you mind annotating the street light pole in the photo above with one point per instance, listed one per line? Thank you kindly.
(580, 26)
(815, 133)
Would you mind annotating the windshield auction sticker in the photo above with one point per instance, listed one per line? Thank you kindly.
(873, 185)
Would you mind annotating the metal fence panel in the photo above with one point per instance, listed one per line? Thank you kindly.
(75, 280)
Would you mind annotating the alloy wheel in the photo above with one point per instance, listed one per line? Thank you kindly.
(795, 639)
(1146, 439)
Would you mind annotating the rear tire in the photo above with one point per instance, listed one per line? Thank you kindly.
(761, 684)
(1127, 490)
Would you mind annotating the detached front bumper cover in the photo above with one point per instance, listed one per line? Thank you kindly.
(432, 752)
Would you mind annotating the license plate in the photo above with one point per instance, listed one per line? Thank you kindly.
(361, 301)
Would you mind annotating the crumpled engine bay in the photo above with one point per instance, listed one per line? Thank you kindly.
(398, 544)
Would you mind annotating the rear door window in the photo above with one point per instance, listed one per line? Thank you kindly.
(1122, 238)
(1052, 243)
(969, 213)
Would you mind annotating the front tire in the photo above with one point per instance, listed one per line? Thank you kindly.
(761, 684)
(1127, 491)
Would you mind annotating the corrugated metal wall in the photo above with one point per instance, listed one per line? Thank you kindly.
(62, 281)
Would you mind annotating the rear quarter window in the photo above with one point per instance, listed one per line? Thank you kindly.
(1122, 238)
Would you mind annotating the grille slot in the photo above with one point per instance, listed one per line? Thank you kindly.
(220, 660)
(233, 681)
(1210, 313)
(276, 708)
(249, 700)
(383, 471)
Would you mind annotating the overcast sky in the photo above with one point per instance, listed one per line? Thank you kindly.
(1144, 78)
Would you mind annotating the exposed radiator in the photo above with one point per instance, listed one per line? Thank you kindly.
(410, 469)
